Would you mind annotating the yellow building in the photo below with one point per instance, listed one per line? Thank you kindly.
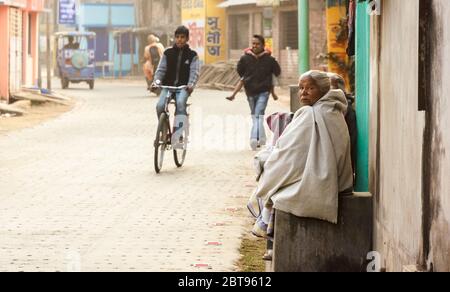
(206, 23)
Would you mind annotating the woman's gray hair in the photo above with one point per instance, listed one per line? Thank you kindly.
(339, 80)
(321, 78)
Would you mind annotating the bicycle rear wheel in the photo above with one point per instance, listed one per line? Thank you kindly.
(161, 142)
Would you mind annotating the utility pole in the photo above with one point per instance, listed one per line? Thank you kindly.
(109, 33)
(79, 16)
(109, 15)
(120, 53)
(132, 51)
(303, 36)
(56, 15)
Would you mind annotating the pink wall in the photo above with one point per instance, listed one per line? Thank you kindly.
(4, 48)
(34, 44)
(31, 7)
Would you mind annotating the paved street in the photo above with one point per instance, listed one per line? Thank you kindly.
(79, 193)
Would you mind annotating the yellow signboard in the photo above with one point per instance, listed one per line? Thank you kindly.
(337, 39)
(215, 32)
(207, 26)
(193, 15)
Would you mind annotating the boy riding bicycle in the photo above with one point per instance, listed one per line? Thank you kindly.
(179, 66)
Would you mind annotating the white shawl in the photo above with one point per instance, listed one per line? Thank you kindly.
(311, 162)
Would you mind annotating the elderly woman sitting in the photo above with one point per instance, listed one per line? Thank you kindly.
(310, 163)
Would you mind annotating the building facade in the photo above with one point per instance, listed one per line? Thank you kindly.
(119, 49)
(278, 22)
(113, 22)
(409, 137)
(19, 26)
(160, 17)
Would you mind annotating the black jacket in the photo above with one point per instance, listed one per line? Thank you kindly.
(257, 73)
(177, 65)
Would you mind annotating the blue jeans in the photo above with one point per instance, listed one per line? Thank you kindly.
(181, 121)
(258, 105)
(181, 102)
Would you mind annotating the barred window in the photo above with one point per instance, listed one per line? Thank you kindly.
(289, 31)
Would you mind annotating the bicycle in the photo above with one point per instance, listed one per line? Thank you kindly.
(165, 139)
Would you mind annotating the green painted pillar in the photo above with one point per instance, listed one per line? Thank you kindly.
(303, 36)
(362, 95)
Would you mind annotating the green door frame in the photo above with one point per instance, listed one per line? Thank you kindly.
(362, 94)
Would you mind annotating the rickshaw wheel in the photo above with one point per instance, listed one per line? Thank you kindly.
(91, 84)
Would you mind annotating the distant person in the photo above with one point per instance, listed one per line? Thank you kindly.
(257, 68)
(160, 46)
(338, 82)
(72, 45)
(152, 54)
(240, 85)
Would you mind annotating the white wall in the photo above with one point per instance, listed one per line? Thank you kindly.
(440, 158)
(398, 208)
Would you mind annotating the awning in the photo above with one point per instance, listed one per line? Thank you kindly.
(14, 3)
(231, 3)
(28, 5)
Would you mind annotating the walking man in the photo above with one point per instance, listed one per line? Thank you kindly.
(257, 69)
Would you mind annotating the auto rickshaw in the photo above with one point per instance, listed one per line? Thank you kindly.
(76, 57)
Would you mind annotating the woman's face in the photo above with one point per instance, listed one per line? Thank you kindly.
(309, 91)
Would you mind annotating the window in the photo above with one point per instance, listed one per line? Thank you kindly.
(240, 26)
(289, 31)
(127, 47)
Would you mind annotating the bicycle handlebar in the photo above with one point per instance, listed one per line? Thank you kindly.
(173, 87)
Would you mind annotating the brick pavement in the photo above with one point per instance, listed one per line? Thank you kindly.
(79, 193)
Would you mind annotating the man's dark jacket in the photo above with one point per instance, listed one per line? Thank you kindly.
(178, 65)
(257, 73)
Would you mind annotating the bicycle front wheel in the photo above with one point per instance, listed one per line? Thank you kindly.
(179, 156)
(180, 150)
(161, 142)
